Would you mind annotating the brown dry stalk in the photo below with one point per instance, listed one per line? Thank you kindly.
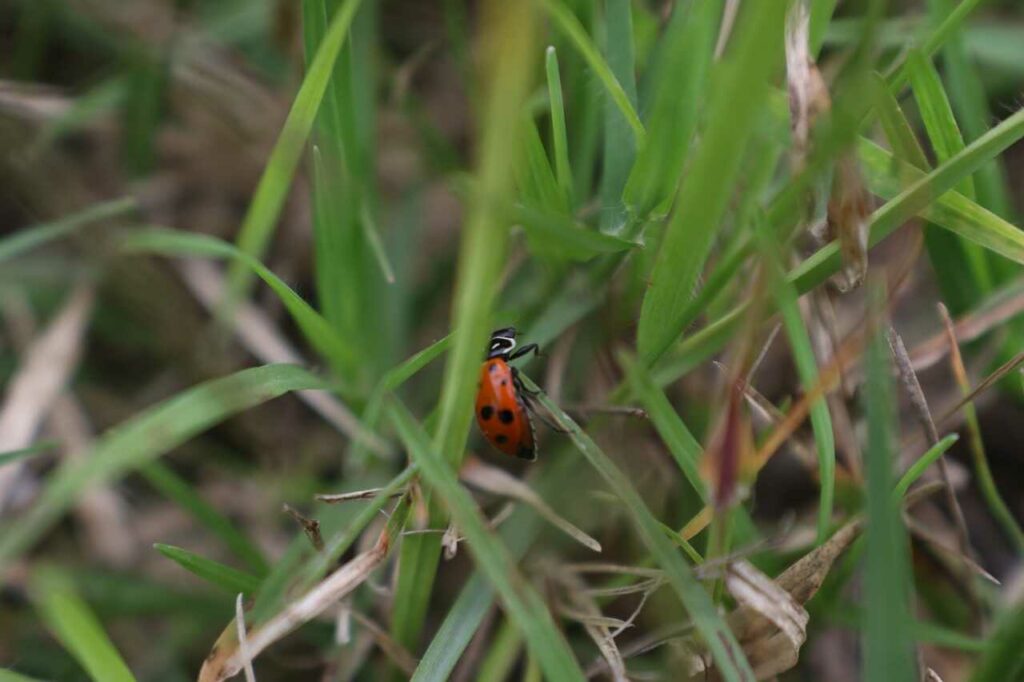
(310, 526)
(226, 660)
(912, 387)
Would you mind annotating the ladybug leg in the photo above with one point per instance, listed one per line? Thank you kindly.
(527, 397)
(525, 350)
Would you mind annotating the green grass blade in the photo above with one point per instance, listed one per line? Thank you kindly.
(888, 650)
(29, 238)
(11, 676)
(76, 626)
(35, 449)
(921, 465)
(316, 329)
(729, 657)
(566, 22)
(455, 633)
(276, 180)
(522, 603)
(558, 235)
(619, 147)
(899, 76)
(1001, 659)
(683, 71)
(951, 211)
(707, 187)
(823, 263)
(174, 488)
(680, 442)
(786, 299)
(213, 572)
(147, 436)
(508, 33)
(559, 135)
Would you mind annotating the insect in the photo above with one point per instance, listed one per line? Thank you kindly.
(502, 402)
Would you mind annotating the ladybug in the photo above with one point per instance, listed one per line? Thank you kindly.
(502, 402)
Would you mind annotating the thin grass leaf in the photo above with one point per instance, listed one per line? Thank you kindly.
(316, 329)
(685, 449)
(682, 74)
(888, 650)
(230, 579)
(921, 465)
(898, 76)
(76, 626)
(559, 136)
(557, 235)
(786, 299)
(372, 235)
(455, 633)
(727, 653)
(566, 22)
(522, 603)
(951, 211)
(23, 453)
(11, 676)
(147, 436)
(618, 146)
(706, 188)
(504, 652)
(275, 182)
(508, 31)
(178, 490)
(29, 238)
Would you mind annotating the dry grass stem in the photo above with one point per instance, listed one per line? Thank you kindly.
(243, 642)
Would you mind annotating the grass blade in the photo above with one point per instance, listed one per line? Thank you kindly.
(619, 147)
(705, 191)
(566, 22)
(728, 655)
(214, 572)
(29, 238)
(148, 435)
(1001, 659)
(174, 488)
(786, 299)
(689, 43)
(888, 650)
(275, 182)
(15, 455)
(508, 31)
(522, 603)
(921, 465)
(73, 622)
(317, 330)
(455, 632)
(559, 136)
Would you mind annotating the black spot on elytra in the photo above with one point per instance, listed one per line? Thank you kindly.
(486, 412)
(493, 367)
(501, 438)
(506, 416)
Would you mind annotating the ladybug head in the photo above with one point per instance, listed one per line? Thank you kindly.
(502, 342)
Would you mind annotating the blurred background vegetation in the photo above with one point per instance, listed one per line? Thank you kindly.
(251, 250)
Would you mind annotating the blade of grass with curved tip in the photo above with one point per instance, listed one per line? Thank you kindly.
(213, 572)
(567, 23)
(76, 626)
(921, 465)
(559, 136)
(176, 489)
(316, 329)
(508, 31)
(689, 43)
(728, 655)
(522, 603)
(148, 435)
(29, 238)
(786, 299)
(705, 190)
(276, 180)
(888, 650)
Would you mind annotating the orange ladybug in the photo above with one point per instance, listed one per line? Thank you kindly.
(502, 402)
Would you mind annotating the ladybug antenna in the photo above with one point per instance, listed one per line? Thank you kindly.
(502, 342)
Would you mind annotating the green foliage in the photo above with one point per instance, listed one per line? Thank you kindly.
(216, 573)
